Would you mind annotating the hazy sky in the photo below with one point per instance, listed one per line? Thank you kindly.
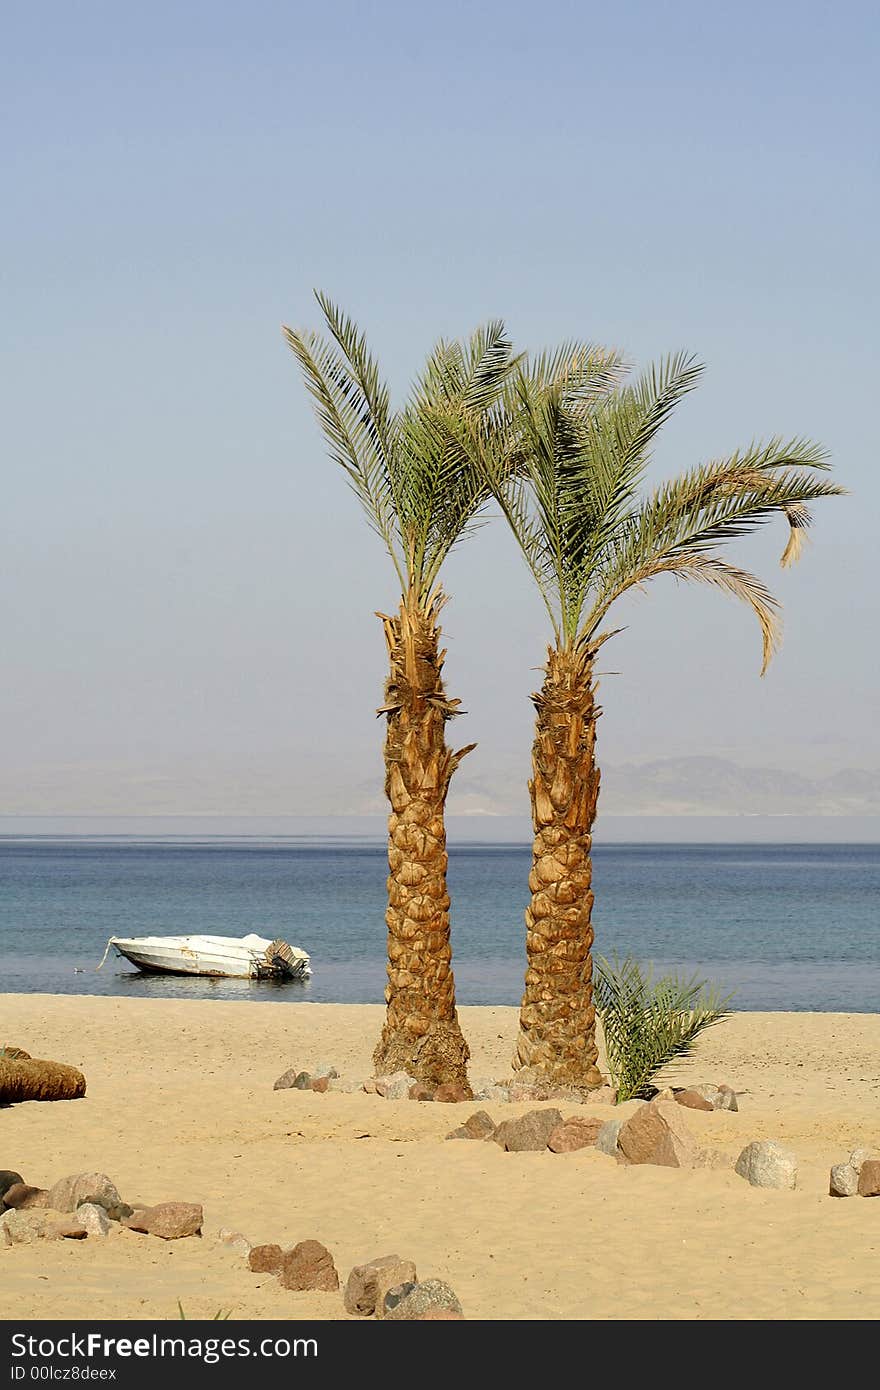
(187, 585)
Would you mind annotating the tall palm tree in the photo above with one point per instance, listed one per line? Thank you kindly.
(414, 473)
(573, 499)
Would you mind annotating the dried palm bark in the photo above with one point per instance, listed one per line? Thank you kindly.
(421, 1034)
(32, 1079)
(557, 1016)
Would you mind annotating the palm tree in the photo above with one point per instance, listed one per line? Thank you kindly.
(415, 475)
(571, 494)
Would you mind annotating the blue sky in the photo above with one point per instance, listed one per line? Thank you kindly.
(187, 587)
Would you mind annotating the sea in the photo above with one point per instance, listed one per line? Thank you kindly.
(789, 927)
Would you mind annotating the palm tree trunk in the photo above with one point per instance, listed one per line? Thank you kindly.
(557, 1018)
(421, 1033)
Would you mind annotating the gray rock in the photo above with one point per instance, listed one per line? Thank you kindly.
(858, 1157)
(368, 1284)
(844, 1181)
(26, 1227)
(492, 1091)
(764, 1163)
(345, 1084)
(423, 1298)
(396, 1086)
(323, 1069)
(606, 1139)
(302, 1081)
(235, 1240)
(70, 1193)
(528, 1133)
(93, 1219)
(286, 1080)
(719, 1097)
(395, 1296)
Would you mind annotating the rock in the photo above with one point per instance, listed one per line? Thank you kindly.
(858, 1157)
(440, 1314)
(323, 1071)
(692, 1100)
(320, 1084)
(493, 1091)
(24, 1198)
(26, 1227)
(430, 1295)
(606, 1139)
(368, 1284)
(395, 1087)
(302, 1081)
(575, 1133)
(265, 1259)
(603, 1095)
(528, 1133)
(714, 1158)
(168, 1220)
(719, 1097)
(666, 1094)
(844, 1181)
(9, 1178)
(309, 1265)
(519, 1091)
(453, 1093)
(477, 1126)
(93, 1219)
(420, 1091)
(345, 1085)
(235, 1240)
(395, 1296)
(369, 1086)
(764, 1163)
(286, 1080)
(657, 1133)
(71, 1192)
(869, 1178)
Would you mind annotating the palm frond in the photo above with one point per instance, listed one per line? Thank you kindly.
(650, 1024)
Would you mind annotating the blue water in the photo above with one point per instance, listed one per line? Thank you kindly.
(786, 926)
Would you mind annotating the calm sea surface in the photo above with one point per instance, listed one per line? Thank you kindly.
(787, 926)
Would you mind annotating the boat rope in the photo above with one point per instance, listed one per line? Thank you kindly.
(111, 942)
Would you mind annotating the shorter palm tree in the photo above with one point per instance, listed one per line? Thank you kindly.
(581, 436)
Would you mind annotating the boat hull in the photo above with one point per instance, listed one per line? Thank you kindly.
(246, 958)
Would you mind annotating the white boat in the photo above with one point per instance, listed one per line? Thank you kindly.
(243, 958)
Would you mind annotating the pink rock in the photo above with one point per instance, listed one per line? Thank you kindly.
(309, 1265)
(869, 1178)
(265, 1259)
(528, 1133)
(477, 1126)
(575, 1133)
(657, 1133)
(21, 1197)
(603, 1095)
(692, 1100)
(168, 1220)
(421, 1091)
(452, 1093)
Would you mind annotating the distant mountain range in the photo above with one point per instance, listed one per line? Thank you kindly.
(697, 786)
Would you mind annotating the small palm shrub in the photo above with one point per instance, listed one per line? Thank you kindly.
(650, 1023)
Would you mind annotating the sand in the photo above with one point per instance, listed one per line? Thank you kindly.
(180, 1106)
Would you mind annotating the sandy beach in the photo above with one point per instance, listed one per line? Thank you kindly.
(180, 1106)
